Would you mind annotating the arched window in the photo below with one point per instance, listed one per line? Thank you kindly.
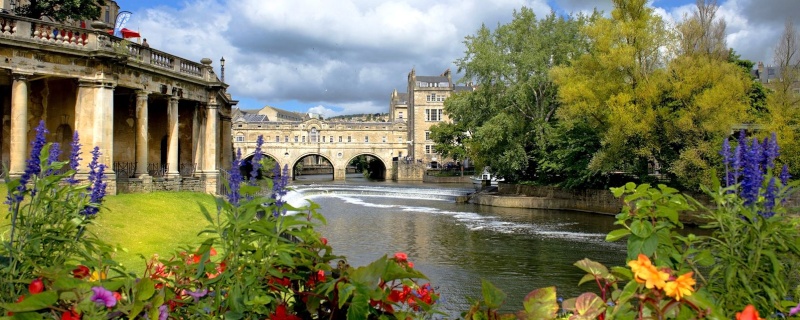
(314, 135)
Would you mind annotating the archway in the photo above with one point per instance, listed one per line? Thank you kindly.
(312, 167)
(267, 166)
(366, 166)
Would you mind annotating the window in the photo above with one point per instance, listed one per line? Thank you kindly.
(435, 98)
(331, 139)
(286, 139)
(400, 115)
(428, 149)
(384, 139)
(277, 138)
(427, 135)
(323, 138)
(366, 139)
(434, 115)
(349, 139)
(314, 136)
(340, 138)
(296, 139)
(239, 137)
(304, 139)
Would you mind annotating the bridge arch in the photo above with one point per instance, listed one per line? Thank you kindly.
(320, 165)
(377, 167)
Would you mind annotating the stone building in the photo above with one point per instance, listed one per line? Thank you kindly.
(161, 122)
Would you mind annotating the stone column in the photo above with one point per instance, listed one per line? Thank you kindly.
(94, 122)
(172, 132)
(141, 134)
(211, 139)
(19, 125)
(226, 148)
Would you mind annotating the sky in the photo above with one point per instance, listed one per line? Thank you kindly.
(336, 57)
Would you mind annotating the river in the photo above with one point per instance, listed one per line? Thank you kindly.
(457, 245)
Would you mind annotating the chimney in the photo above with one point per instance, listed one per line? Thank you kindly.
(761, 75)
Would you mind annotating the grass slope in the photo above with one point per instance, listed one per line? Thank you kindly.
(145, 223)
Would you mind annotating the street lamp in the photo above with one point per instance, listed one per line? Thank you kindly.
(222, 68)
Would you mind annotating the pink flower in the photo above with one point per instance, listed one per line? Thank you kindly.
(103, 297)
(401, 257)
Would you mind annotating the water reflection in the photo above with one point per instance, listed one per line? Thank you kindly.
(456, 245)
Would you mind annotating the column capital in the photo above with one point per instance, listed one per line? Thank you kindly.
(174, 98)
(94, 83)
(142, 93)
(20, 76)
(212, 106)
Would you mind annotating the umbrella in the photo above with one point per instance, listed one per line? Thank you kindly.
(127, 33)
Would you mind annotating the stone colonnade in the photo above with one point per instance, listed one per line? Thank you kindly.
(94, 122)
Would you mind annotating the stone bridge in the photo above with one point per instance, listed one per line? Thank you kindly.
(161, 121)
(289, 142)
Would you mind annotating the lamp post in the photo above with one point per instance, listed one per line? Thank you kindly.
(222, 68)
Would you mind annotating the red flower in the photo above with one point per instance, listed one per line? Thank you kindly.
(281, 314)
(81, 272)
(36, 286)
(401, 257)
(117, 295)
(324, 241)
(22, 297)
(749, 313)
(70, 315)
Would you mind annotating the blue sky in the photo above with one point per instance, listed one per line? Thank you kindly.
(346, 56)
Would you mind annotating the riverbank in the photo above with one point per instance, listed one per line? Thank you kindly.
(554, 198)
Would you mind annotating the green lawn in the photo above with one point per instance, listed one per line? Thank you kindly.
(145, 224)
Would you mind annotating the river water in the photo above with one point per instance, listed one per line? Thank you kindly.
(457, 245)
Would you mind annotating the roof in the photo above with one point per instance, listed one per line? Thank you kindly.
(464, 88)
(432, 79)
(255, 118)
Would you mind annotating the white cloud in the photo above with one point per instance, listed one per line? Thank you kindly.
(353, 53)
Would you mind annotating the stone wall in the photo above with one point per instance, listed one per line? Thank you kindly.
(442, 179)
(161, 184)
(523, 196)
(411, 171)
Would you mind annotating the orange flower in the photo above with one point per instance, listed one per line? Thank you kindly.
(641, 262)
(645, 272)
(749, 313)
(681, 287)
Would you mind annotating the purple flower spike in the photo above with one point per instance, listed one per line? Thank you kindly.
(769, 199)
(163, 312)
(55, 152)
(753, 176)
(97, 187)
(727, 160)
(74, 157)
(256, 161)
(199, 293)
(795, 310)
(235, 180)
(770, 146)
(785, 176)
(279, 183)
(103, 297)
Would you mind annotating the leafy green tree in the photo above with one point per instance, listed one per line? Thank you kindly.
(502, 124)
(652, 109)
(60, 10)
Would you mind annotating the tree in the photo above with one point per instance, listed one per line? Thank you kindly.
(783, 100)
(503, 122)
(612, 89)
(652, 110)
(60, 10)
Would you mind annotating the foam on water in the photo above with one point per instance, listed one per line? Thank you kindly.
(472, 220)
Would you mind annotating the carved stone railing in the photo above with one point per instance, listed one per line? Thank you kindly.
(58, 35)
(157, 169)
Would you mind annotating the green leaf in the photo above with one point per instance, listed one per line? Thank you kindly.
(359, 308)
(586, 278)
(588, 306)
(145, 289)
(617, 234)
(345, 291)
(592, 267)
(540, 304)
(641, 229)
(617, 192)
(33, 302)
(493, 296)
(622, 273)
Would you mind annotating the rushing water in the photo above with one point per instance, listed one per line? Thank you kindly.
(457, 245)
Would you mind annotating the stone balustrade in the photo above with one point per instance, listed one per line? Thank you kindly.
(99, 42)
